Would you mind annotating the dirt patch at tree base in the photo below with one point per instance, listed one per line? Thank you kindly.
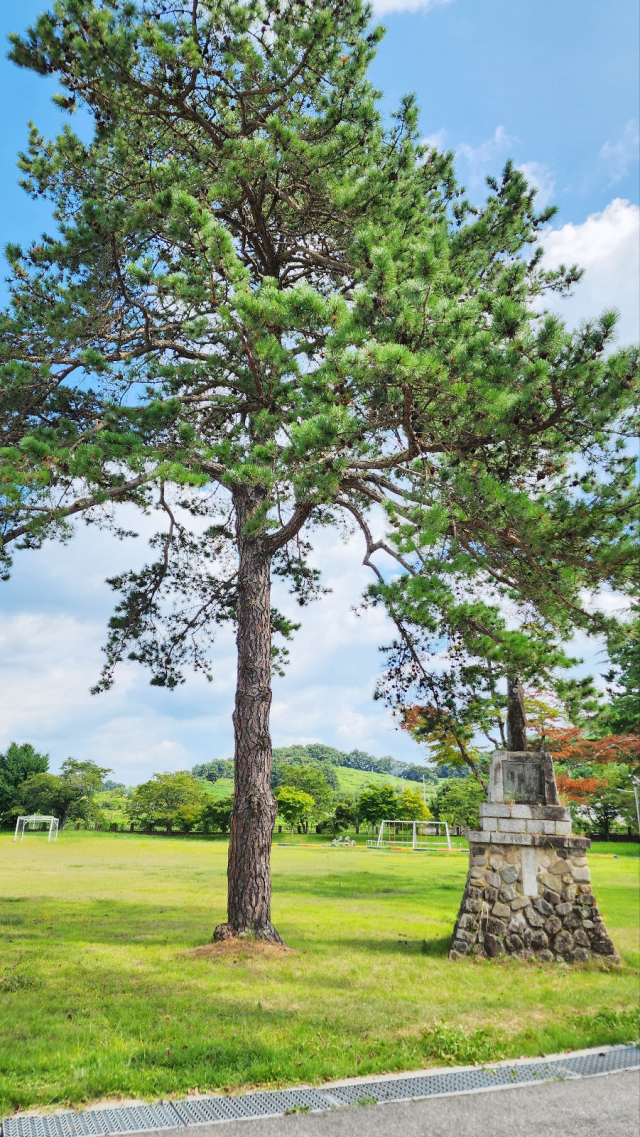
(238, 946)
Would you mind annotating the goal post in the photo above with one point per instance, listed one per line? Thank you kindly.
(32, 821)
(395, 833)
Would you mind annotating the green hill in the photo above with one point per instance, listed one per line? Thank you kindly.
(222, 788)
(350, 783)
(353, 781)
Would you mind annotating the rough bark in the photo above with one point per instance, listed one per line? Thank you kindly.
(516, 718)
(254, 810)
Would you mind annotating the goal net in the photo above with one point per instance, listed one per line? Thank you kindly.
(412, 835)
(36, 821)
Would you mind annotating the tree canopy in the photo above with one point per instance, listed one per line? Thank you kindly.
(168, 800)
(69, 795)
(458, 802)
(380, 803)
(294, 805)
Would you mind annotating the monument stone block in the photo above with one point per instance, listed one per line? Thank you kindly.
(545, 868)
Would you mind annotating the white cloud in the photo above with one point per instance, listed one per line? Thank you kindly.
(44, 665)
(437, 140)
(384, 7)
(480, 158)
(606, 245)
(138, 746)
(619, 155)
(540, 176)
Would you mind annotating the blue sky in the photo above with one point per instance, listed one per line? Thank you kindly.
(552, 85)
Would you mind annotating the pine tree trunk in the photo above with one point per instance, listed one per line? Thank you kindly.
(254, 810)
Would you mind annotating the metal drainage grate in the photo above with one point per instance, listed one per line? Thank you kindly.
(274, 1103)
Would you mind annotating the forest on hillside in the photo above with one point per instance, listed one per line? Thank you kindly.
(318, 752)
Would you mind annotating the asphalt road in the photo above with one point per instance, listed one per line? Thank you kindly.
(604, 1106)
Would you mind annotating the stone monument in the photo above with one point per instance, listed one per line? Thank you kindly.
(528, 890)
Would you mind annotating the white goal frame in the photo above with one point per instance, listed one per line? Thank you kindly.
(31, 820)
(411, 834)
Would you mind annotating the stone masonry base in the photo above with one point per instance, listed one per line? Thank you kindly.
(530, 901)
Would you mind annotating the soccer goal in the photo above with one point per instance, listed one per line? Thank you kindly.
(412, 835)
(34, 821)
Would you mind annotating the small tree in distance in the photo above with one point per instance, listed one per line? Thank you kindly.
(457, 802)
(167, 800)
(343, 817)
(69, 796)
(380, 803)
(295, 806)
(311, 781)
(411, 807)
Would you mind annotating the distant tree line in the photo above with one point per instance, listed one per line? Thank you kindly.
(317, 752)
(304, 782)
(303, 779)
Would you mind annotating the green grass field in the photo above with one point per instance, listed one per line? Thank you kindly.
(103, 991)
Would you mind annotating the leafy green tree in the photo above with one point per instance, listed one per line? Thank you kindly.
(411, 807)
(611, 800)
(218, 233)
(17, 764)
(287, 316)
(311, 780)
(525, 508)
(458, 802)
(377, 803)
(167, 800)
(49, 794)
(380, 803)
(294, 805)
(296, 757)
(216, 815)
(85, 775)
(344, 816)
(69, 796)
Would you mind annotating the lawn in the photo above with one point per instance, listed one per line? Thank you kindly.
(103, 990)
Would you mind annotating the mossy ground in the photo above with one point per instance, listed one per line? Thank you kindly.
(104, 991)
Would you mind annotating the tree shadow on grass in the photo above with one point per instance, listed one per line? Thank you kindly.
(362, 885)
(437, 946)
(104, 922)
(434, 946)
